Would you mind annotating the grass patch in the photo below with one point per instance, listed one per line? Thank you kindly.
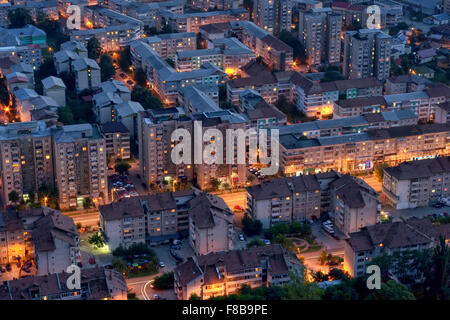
(312, 248)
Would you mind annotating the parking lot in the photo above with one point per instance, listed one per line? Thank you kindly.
(418, 212)
(121, 187)
(163, 253)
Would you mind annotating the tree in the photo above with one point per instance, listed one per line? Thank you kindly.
(251, 226)
(79, 226)
(120, 265)
(215, 184)
(94, 49)
(106, 67)
(323, 258)
(256, 243)
(393, 290)
(164, 281)
(140, 77)
(170, 61)
(19, 18)
(441, 267)
(122, 167)
(97, 240)
(298, 289)
(87, 202)
(146, 98)
(194, 296)
(13, 196)
(65, 115)
(125, 59)
(286, 243)
(379, 171)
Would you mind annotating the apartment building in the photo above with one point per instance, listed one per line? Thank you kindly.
(274, 15)
(148, 13)
(112, 94)
(152, 219)
(354, 203)
(219, 274)
(285, 200)
(165, 80)
(56, 243)
(210, 224)
(367, 54)
(320, 34)
(205, 5)
(190, 22)
(56, 89)
(386, 239)
(351, 125)
(96, 284)
(344, 108)
(75, 47)
(26, 154)
(64, 59)
(42, 234)
(228, 54)
(168, 44)
(442, 113)
(361, 152)
(112, 29)
(274, 52)
(87, 74)
(417, 183)
(80, 164)
(25, 43)
(193, 100)
(156, 145)
(405, 83)
(117, 141)
(158, 218)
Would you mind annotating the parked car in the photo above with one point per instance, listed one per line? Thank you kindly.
(267, 242)
(156, 297)
(91, 261)
(241, 237)
(161, 264)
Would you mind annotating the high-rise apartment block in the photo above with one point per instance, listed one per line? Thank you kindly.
(320, 33)
(367, 54)
(70, 158)
(273, 15)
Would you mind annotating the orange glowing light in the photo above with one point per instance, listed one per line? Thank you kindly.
(89, 24)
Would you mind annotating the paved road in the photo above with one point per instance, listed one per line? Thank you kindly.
(86, 219)
(141, 286)
(238, 198)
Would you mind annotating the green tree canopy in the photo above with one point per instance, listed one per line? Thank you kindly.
(19, 18)
(13, 196)
(146, 98)
(94, 49)
(106, 66)
(122, 167)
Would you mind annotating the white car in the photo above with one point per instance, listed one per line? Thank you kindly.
(161, 264)
(241, 237)
(267, 242)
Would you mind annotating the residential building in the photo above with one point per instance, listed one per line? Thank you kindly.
(210, 224)
(224, 273)
(113, 29)
(80, 164)
(442, 113)
(96, 284)
(273, 16)
(167, 45)
(362, 151)
(354, 203)
(75, 47)
(127, 114)
(190, 22)
(417, 183)
(56, 243)
(320, 34)
(26, 154)
(55, 88)
(87, 74)
(117, 140)
(367, 54)
(387, 239)
(26, 43)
